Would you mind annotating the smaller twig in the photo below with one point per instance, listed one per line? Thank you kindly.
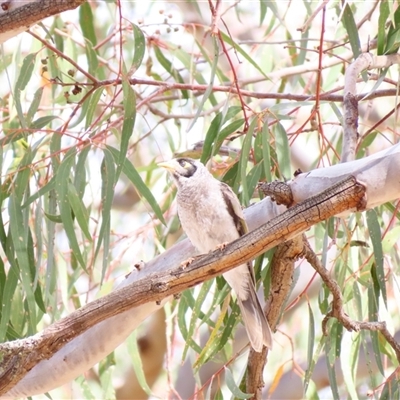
(337, 305)
(64, 56)
(235, 80)
(313, 15)
(384, 118)
(216, 16)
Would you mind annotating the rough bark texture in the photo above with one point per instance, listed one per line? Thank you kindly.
(18, 18)
(281, 284)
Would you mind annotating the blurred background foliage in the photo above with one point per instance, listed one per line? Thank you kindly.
(93, 98)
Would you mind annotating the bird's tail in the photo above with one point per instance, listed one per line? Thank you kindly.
(255, 322)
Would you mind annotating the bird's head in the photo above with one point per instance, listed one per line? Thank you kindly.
(183, 169)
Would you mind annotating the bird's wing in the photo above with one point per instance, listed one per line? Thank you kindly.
(234, 208)
(236, 212)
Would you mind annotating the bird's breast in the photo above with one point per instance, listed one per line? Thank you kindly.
(206, 221)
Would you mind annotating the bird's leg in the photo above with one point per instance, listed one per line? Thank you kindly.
(221, 246)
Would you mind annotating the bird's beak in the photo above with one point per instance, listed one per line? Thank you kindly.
(168, 165)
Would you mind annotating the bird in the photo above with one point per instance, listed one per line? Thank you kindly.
(211, 216)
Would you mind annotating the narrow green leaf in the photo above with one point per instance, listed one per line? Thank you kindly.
(211, 134)
(34, 274)
(332, 379)
(82, 114)
(263, 11)
(137, 364)
(83, 383)
(373, 301)
(233, 387)
(252, 179)
(228, 40)
(266, 153)
(220, 73)
(224, 133)
(7, 297)
(108, 177)
(383, 16)
(92, 104)
(140, 48)
(79, 210)
(23, 79)
(391, 389)
(210, 86)
(311, 366)
(19, 234)
(92, 59)
(106, 378)
(57, 37)
(54, 218)
(50, 185)
(243, 162)
(196, 311)
(86, 22)
(128, 124)
(12, 137)
(37, 97)
(349, 361)
(187, 60)
(167, 65)
(282, 150)
(217, 341)
(42, 122)
(130, 171)
(38, 230)
(393, 35)
(376, 238)
(25, 72)
(231, 175)
(230, 323)
(62, 180)
(3, 278)
(352, 31)
(183, 306)
(55, 147)
(311, 337)
(80, 172)
(50, 206)
(393, 42)
(185, 302)
(217, 395)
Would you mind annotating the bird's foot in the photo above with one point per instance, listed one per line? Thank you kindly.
(186, 263)
(221, 246)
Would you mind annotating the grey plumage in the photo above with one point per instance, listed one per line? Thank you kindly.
(211, 215)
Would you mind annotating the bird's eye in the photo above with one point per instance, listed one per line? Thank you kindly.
(182, 163)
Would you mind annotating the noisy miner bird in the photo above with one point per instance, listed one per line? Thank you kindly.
(211, 216)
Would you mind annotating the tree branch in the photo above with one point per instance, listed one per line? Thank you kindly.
(282, 268)
(20, 356)
(364, 61)
(337, 305)
(17, 18)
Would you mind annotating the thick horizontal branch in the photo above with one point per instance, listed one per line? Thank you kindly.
(17, 18)
(20, 356)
